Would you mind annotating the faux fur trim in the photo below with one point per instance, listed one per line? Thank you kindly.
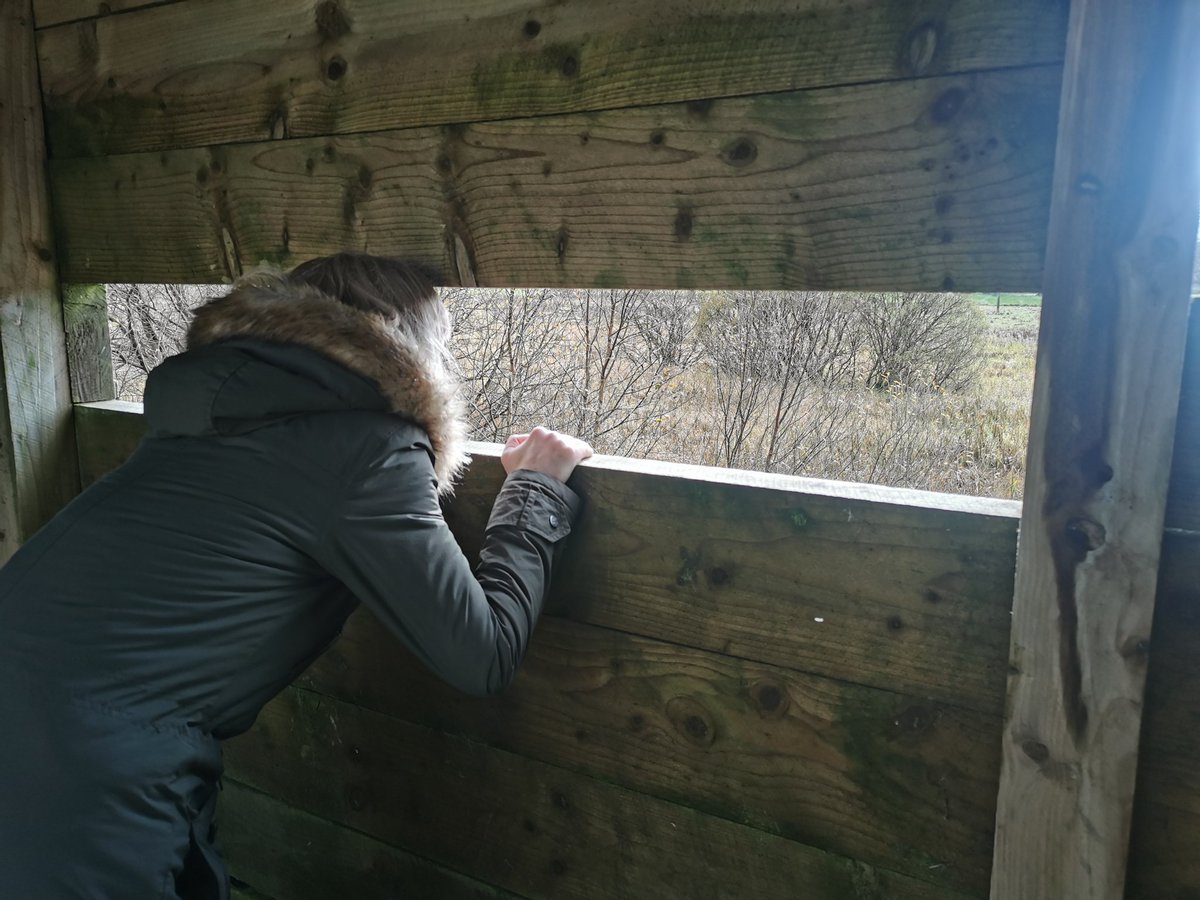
(413, 381)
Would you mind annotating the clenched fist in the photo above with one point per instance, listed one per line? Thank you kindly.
(542, 450)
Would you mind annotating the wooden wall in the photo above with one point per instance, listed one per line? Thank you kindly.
(684, 725)
(747, 685)
(852, 145)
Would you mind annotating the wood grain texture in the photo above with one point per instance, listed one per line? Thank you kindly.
(869, 590)
(37, 459)
(1183, 495)
(1114, 320)
(58, 12)
(938, 183)
(891, 780)
(1163, 863)
(89, 354)
(537, 830)
(107, 434)
(897, 589)
(195, 74)
(284, 853)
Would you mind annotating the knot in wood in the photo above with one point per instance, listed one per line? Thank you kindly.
(683, 223)
(922, 47)
(1087, 534)
(691, 720)
(335, 68)
(740, 153)
(770, 698)
(1036, 750)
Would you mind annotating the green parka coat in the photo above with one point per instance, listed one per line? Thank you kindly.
(291, 470)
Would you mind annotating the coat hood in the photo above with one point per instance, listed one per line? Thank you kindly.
(273, 349)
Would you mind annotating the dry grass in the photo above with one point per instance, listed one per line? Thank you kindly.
(970, 441)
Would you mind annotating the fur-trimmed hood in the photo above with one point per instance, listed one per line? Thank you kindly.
(406, 378)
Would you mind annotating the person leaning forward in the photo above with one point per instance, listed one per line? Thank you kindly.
(291, 469)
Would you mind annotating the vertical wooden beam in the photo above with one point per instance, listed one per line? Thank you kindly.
(89, 352)
(1118, 270)
(37, 458)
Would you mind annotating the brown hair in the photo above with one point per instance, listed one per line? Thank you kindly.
(400, 291)
(377, 284)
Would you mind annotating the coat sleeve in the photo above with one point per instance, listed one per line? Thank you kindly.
(389, 545)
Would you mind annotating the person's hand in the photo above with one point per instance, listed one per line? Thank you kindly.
(545, 451)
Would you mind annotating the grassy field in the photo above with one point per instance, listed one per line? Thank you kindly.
(966, 442)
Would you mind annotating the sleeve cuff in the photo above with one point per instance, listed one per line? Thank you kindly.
(538, 503)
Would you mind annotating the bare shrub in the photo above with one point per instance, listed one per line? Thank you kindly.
(148, 323)
(921, 340)
(605, 363)
(766, 354)
(909, 390)
(502, 341)
(625, 354)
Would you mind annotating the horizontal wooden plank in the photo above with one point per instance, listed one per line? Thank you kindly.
(57, 12)
(282, 852)
(540, 831)
(939, 183)
(903, 590)
(223, 71)
(1163, 863)
(892, 780)
(907, 598)
(1183, 495)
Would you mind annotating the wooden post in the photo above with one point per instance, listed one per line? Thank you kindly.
(89, 352)
(1114, 315)
(37, 457)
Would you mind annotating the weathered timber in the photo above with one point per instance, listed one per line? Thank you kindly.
(897, 589)
(537, 830)
(1183, 495)
(58, 12)
(1114, 319)
(937, 183)
(194, 74)
(1163, 863)
(37, 460)
(892, 780)
(288, 854)
(902, 590)
(107, 433)
(89, 354)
